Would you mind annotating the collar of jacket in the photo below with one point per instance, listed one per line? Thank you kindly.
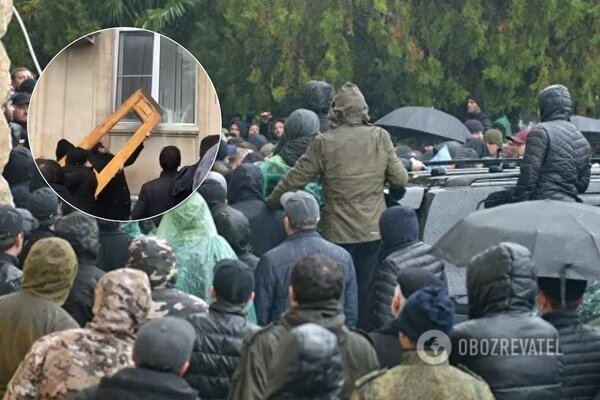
(7, 258)
(302, 234)
(562, 318)
(411, 357)
(226, 308)
(168, 174)
(386, 251)
(327, 313)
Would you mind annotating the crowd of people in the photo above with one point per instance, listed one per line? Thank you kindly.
(286, 274)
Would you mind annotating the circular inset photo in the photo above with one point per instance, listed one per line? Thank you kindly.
(124, 124)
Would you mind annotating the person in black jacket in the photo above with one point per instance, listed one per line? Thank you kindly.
(318, 97)
(502, 285)
(53, 175)
(245, 194)
(235, 228)
(402, 249)
(114, 202)
(219, 333)
(113, 245)
(579, 344)
(475, 111)
(81, 181)
(11, 244)
(81, 231)
(161, 354)
(556, 164)
(155, 197)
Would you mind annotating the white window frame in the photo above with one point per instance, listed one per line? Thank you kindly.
(182, 128)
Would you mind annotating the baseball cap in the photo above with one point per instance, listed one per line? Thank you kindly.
(20, 99)
(300, 207)
(11, 222)
(520, 138)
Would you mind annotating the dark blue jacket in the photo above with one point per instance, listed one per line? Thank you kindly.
(275, 266)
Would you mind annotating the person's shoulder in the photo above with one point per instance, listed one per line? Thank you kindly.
(370, 380)
(463, 373)
(264, 336)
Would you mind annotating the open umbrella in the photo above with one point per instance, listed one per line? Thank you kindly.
(419, 121)
(586, 124)
(564, 238)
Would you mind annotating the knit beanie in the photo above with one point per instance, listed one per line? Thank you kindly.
(427, 309)
(398, 225)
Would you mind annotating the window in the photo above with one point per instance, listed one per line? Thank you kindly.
(162, 67)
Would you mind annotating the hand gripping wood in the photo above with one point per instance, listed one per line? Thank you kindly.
(147, 110)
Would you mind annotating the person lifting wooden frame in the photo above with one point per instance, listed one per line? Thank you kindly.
(147, 110)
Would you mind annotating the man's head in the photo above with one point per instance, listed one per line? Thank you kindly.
(77, 156)
(44, 206)
(11, 230)
(409, 281)
(170, 158)
(165, 345)
(213, 192)
(18, 75)
(398, 225)
(475, 127)
(20, 105)
(315, 278)
(234, 129)
(81, 231)
(254, 129)
(27, 86)
(233, 283)
(427, 309)
(517, 143)
(51, 170)
(278, 128)
(301, 211)
(555, 103)
(549, 298)
(155, 257)
(493, 141)
(99, 148)
(474, 104)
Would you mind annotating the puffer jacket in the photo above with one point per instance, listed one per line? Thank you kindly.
(502, 285)
(580, 348)
(556, 164)
(354, 160)
(10, 276)
(216, 352)
(412, 255)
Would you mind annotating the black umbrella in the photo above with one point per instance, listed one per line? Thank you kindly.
(586, 124)
(564, 238)
(419, 121)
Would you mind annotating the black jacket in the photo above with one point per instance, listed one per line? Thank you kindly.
(274, 269)
(81, 183)
(501, 299)
(37, 234)
(80, 302)
(216, 353)
(556, 164)
(11, 277)
(580, 348)
(245, 194)
(235, 228)
(482, 117)
(412, 255)
(318, 97)
(387, 346)
(155, 197)
(114, 202)
(139, 384)
(113, 249)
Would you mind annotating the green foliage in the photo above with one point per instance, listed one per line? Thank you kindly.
(260, 53)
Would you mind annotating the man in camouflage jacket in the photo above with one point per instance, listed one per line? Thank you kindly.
(61, 364)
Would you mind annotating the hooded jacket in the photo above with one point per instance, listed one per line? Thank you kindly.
(217, 349)
(60, 365)
(81, 231)
(190, 230)
(235, 228)
(502, 285)
(556, 164)
(114, 243)
(10, 276)
(318, 97)
(81, 183)
(250, 380)
(34, 311)
(354, 160)
(307, 365)
(245, 195)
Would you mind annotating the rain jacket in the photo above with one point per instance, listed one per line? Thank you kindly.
(502, 285)
(235, 228)
(250, 380)
(81, 231)
(353, 159)
(556, 164)
(61, 364)
(318, 97)
(245, 195)
(34, 311)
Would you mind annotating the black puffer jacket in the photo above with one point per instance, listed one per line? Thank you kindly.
(411, 255)
(580, 346)
(245, 194)
(216, 353)
(81, 183)
(11, 277)
(556, 164)
(502, 285)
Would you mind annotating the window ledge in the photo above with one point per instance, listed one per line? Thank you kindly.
(161, 128)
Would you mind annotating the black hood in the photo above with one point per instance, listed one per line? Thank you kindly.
(246, 182)
(235, 228)
(318, 96)
(555, 103)
(20, 166)
(75, 175)
(501, 280)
